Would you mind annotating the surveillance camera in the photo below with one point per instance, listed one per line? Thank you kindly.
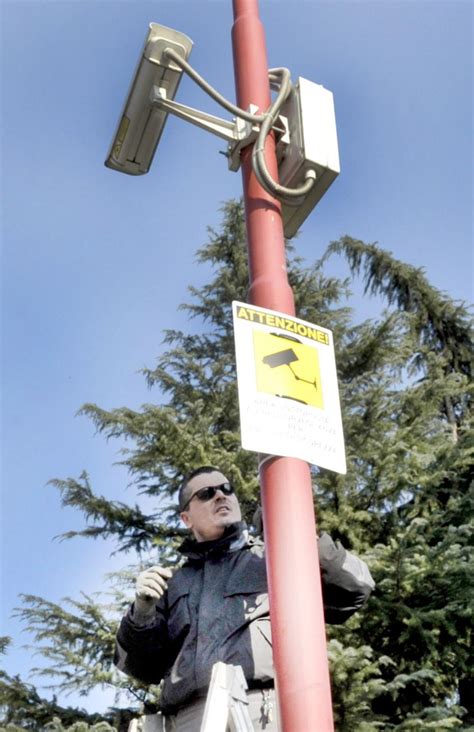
(141, 122)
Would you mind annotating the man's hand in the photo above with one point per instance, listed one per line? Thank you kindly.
(149, 587)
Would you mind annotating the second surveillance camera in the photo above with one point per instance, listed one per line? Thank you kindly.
(141, 123)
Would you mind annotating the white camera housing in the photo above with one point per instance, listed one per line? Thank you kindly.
(312, 145)
(141, 122)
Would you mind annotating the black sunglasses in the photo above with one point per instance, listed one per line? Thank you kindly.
(205, 494)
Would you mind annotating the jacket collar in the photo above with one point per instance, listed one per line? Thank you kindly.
(235, 537)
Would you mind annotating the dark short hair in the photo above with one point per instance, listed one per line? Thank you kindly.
(190, 476)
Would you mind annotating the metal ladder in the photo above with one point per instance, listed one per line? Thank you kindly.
(226, 707)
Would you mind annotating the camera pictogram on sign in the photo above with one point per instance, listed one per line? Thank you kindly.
(287, 368)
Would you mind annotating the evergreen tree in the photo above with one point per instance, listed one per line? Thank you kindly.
(411, 472)
(22, 708)
(405, 504)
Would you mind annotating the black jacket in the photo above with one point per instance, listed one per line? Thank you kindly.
(216, 609)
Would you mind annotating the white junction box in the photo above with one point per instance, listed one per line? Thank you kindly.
(312, 146)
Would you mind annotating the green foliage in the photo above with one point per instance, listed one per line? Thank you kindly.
(116, 519)
(77, 649)
(84, 656)
(356, 680)
(405, 504)
(56, 726)
(22, 708)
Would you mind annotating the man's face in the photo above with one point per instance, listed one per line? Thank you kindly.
(208, 519)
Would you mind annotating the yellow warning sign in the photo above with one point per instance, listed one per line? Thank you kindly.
(287, 368)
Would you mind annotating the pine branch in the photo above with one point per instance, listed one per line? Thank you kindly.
(440, 323)
(129, 526)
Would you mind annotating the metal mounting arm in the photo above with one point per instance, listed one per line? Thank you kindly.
(239, 133)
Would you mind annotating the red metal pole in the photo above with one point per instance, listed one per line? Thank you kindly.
(296, 607)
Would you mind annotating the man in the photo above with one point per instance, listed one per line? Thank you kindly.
(215, 607)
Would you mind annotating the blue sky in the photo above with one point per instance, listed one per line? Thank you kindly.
(95, 263)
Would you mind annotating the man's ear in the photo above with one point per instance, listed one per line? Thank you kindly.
(184, 516)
